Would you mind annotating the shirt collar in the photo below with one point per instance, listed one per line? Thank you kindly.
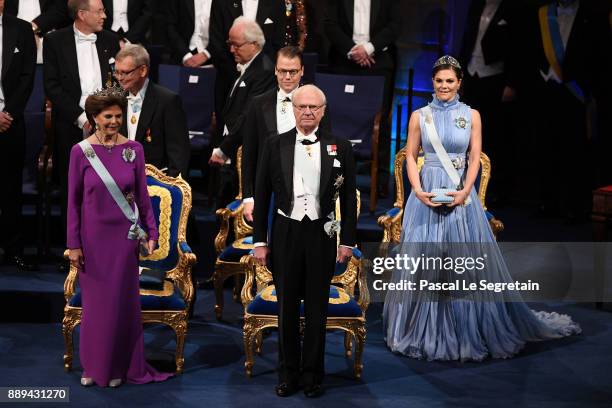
(142, 91)
(282, 94)
(312, 137)
(243, 67)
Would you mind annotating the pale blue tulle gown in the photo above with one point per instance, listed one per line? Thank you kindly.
(436, 326)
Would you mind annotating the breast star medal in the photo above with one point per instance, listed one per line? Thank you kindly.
(461, 122)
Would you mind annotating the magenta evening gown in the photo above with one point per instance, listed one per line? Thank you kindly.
(111, 335)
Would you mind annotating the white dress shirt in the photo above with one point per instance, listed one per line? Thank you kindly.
(477, 65)
(200, 37)
(565, 17)
(1, 58)
(90, 75)
(361, 24)
(249, 9)
(306, 179)
(285, 119)
(134, 108)
(120, 15)
(28, 10)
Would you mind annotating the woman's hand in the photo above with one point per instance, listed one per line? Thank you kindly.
(76, 257)
(151, 246)
(426, 198)
(459, 197)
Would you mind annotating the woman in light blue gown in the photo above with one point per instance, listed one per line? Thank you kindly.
(454, 325)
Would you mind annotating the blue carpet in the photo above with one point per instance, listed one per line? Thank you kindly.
(564, 373)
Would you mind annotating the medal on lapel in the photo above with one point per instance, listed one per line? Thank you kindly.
(332, 150)
(148, 136)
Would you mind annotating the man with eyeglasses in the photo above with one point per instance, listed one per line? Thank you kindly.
(155, 115)
(246, 41)
(306, 169)
(270, 114)
(78, 60)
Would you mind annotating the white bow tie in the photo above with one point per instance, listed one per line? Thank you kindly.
(91, 38)
(240, 68)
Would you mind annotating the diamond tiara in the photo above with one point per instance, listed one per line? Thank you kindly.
(447, 60)
(110, 91)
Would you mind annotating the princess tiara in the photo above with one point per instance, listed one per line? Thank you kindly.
(447, 60)
(110, 91)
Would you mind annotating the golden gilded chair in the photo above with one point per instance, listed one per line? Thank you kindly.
(391, 221)
(346, 311)
(228, 255)
(166, 299)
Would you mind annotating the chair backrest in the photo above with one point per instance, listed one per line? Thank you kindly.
(310, 60)
(171, 201)
(353, 103)
(196, 86)
(403, 187)
(36, 102)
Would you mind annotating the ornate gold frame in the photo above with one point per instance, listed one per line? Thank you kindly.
(180, 275)
(392, 225)
(225, 269)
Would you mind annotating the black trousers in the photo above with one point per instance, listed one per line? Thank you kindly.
(12, 156)
(563, 148)
(303, 260)
(484, 95)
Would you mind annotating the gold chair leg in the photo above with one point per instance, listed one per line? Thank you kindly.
(249, 335)
(68, 325)
(348, 343)
(237, 287)
(360, 336)
(180, 331)
(259, 342)
(218, 283)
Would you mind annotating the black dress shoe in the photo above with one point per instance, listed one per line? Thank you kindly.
(313, 391)
(285, 389)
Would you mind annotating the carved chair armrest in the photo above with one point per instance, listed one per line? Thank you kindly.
(70, 282)
(362, 284)
(391, 222)
(230, 211)
(249, 264)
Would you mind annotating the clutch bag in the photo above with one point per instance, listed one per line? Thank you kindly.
(441, 197)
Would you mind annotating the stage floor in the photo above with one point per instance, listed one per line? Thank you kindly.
(572, 372)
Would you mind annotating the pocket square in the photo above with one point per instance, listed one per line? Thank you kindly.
(502, 22)
(336, 163)
(268, 21)
(16, 50)
(242, 84)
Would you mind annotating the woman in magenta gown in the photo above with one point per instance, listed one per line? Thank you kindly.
(111, 336)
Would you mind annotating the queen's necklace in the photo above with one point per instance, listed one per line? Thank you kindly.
(109, 148)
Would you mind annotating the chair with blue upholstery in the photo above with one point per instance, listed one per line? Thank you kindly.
(228, 255)
(355, 103)
(345, 311)
(391, 221)
(196, 87)
(166, 286)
